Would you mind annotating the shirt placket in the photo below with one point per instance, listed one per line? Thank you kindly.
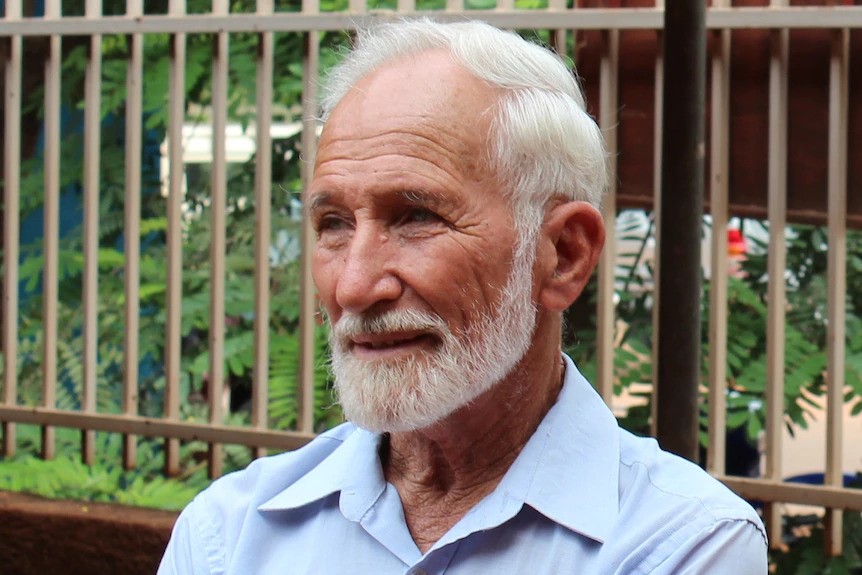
(435, 562)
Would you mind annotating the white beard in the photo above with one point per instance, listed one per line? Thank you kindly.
(414, 392)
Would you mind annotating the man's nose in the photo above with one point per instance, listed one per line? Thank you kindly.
(367, 277)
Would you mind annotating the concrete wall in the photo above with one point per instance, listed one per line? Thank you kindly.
(40, 536)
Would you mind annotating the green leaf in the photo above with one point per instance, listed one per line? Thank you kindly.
(753, 428)
(736, 418)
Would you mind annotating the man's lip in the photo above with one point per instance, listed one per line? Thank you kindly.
(388, 345)
(393, 338)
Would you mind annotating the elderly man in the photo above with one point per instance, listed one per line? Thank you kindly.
(454, 201)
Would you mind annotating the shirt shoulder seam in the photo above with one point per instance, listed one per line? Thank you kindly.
(725, 520)
(709, 509)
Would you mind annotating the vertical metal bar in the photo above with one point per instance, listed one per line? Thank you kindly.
(777, 258)
(11, 222)
(132, 229)
(307, 306)
(92, 143)
(454, 5)
(357, 6)
(217, 246)
(505, 5)
(559, 37)
(605, 316)
(51, 232)
(406, 5)
(262, 182)
(718, 192)
(656, 185)
(682, 204)
(837, 276)
(173, 325)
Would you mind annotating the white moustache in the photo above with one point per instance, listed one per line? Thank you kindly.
(352, 325)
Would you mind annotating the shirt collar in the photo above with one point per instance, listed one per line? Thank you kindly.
(353, 469)
(570, 466)
(568, 471)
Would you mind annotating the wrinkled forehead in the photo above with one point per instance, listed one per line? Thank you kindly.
(426, 93)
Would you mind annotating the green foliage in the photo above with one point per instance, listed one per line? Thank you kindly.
(804, 337)
(804, 553)
(68, 478)
(805, 340)
(283, 389)
(65, 477)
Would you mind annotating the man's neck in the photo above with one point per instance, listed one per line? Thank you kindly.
(442, 471)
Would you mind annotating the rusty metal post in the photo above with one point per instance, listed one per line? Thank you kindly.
(683, 150)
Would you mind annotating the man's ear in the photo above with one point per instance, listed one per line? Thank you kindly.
(572, 238)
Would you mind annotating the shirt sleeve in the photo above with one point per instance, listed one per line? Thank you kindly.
(729, 546)
(186, 553)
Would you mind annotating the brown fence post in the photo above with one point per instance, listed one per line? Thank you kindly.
(683, 150)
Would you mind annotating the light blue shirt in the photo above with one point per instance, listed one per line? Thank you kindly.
(584, 496)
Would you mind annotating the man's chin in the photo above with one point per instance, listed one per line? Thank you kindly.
(377, 412)
(408, 415)
(396, 424)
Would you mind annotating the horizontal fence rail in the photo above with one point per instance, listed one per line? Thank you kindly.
(577, 19)
(615, 103)
(157, 427)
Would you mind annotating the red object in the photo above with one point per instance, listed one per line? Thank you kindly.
(735, 243)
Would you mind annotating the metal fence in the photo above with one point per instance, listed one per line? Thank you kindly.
(310, 21)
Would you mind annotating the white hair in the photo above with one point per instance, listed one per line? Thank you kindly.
(542, 144)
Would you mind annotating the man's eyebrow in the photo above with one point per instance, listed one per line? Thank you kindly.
(423, 197)
(319, 200)
(416, 197)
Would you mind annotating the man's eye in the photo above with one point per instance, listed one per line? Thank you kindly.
(331, 224)
(420, 215)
